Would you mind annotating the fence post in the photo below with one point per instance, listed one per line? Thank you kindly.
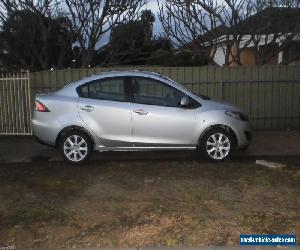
(30, 100)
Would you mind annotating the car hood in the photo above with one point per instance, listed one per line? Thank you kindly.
(221, 105)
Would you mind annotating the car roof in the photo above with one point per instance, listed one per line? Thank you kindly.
(120, 73)
(114, 73)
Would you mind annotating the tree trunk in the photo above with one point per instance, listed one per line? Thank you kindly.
(87, 57)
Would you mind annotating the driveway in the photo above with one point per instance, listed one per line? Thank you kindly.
(265, 144)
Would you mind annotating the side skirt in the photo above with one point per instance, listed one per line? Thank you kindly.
(103, 149)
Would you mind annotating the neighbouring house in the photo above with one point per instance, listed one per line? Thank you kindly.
(270, 37)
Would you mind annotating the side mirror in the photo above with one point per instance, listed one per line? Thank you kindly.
(184, 102)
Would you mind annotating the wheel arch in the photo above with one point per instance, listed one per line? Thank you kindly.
(220, 126)
(72, 128)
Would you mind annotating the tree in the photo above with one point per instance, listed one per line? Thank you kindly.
(93, 19)
(131, 42)
(31, 37)
(268, 27)
(147, 20)
(26, 45)
(200, 25)
(280, 32)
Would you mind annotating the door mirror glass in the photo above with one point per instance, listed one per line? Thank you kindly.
(184, 102)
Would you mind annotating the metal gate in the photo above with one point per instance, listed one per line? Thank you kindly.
(15, 103)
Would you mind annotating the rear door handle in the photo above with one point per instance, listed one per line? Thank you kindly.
(88, 108)
(141, 112)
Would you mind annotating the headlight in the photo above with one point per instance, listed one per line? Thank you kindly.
(237, 115)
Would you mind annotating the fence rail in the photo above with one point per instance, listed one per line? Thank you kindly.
(15, 103)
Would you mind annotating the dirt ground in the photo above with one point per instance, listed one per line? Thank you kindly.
(145, 203)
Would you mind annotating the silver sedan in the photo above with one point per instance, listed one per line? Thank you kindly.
(135, 111)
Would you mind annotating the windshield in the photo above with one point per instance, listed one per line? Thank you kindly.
(204, 97)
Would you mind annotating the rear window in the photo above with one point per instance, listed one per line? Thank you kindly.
(105, 89)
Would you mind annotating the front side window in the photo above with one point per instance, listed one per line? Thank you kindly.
(104, 89)
(152, 92)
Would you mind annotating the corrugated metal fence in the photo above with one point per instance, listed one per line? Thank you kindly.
(270, 94)
(15, 103)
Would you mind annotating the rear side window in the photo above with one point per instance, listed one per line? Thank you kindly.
(105, 89)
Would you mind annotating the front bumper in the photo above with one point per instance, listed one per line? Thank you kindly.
(244, 134)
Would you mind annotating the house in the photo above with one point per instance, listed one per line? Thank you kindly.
(271, 37)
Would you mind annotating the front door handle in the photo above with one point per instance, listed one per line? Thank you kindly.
(88, 108)
(141, 112)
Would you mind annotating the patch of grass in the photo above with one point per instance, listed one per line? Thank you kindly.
(66, 186)
(147, 202)
(173, 240)
(32, 214)
(264, 222)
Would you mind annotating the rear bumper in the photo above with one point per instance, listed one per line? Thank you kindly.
(44, 128)
(41, 142)
(43, 133)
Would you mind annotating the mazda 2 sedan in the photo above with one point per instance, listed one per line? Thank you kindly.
(136, 111)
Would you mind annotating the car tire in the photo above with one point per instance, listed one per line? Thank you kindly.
(76, 147)
(217, 145)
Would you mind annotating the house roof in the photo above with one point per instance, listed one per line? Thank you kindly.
(272, 20)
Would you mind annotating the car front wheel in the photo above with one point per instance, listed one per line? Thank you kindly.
(76, 147)
(217, 145)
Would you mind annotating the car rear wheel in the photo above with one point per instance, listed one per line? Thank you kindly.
(76, 147)
(217, 145)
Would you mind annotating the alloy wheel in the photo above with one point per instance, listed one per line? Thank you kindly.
(218, 146)
(75, 148)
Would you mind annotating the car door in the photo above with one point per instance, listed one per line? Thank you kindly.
(104, 106)
(158, 121)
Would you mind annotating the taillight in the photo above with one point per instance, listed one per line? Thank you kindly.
(41, 107)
